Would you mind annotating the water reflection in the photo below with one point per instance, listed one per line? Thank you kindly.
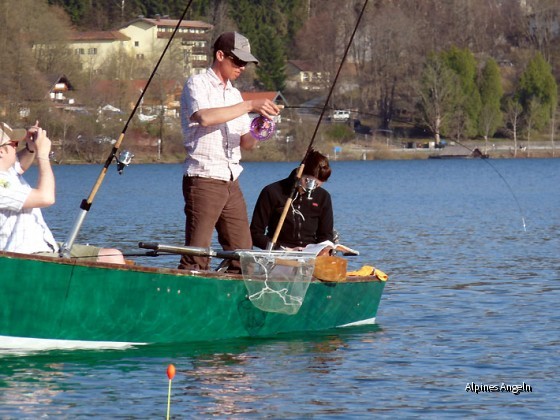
(29, 389)
(223, 384)
(222, 378)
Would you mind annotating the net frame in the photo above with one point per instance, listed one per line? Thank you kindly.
(277, 281)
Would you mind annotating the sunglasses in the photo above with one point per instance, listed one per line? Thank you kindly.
(236, 61)
(12, 143)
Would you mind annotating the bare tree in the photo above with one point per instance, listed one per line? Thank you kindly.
(513, 117)
(542, 20)
(438, 91)
(488, 116)
(312, 38)
(20, 82)
(386, 59)
(326, 47)
(533, 109)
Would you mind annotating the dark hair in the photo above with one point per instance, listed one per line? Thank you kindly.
(317, 165)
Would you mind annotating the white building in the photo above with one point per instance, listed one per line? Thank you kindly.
(142, 38)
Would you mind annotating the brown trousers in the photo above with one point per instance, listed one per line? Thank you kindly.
(212, 203)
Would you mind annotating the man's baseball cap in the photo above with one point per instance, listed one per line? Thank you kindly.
(8, 134)
(235, 44)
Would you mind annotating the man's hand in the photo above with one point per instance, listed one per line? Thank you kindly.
(31, 137)
(43, 144)
(265, 107)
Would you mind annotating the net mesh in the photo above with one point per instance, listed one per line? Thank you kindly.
(277, 281)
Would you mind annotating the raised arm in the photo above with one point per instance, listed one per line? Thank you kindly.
(27, 156)
(213, 116)
(44, 194)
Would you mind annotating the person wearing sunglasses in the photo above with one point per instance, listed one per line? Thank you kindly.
(310, 217)
(22, 226)
(216, 127)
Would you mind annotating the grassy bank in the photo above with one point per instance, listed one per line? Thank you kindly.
(363, 148)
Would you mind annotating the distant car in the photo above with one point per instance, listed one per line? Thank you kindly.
(341, 115)
(104, 139)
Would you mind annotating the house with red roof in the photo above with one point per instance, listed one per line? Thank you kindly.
(144, 38)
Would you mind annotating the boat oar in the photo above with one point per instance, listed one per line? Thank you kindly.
(170, 375)
(271, 244)
(86, 203)
(189, 250)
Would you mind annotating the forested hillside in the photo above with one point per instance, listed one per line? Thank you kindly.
(456, 69)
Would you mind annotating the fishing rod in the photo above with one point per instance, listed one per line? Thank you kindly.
(123, 160)
(299, 173)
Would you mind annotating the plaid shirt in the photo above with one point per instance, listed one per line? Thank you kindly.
(212, 152)
(21, 230)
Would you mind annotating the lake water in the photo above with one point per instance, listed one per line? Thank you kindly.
(472, 248)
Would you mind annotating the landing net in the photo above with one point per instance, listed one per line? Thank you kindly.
(277, 281)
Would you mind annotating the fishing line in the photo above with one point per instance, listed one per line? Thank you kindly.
(455, 141)
(86, 203)
(505, 182)
(299, 173)
(512, 194)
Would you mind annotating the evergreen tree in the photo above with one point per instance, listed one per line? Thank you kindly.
(538, 92)
(271, 68)
(266, 24)
(76, 9)
(463, 64)
(491, 92)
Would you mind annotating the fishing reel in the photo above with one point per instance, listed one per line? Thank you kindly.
(262, 128)
(308, 184)
(123, 160)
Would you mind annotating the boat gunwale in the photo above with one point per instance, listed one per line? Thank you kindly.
(161, 270)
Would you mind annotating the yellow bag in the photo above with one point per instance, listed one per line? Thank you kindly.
(368, 270)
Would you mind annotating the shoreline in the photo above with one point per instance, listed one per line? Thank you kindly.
(375, 151)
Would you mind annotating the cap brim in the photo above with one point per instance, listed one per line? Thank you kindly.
(19, 134)
(9, 134)
(245, 56)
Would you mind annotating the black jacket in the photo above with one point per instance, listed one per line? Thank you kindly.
(317, 212)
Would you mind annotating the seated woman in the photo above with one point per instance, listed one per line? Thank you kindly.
(310, 218)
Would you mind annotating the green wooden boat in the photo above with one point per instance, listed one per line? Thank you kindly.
(60, 302)
(64, 303)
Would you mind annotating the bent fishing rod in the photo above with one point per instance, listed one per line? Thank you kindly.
(299, 173)
(87, 202)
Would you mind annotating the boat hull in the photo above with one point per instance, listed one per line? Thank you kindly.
(61, 300)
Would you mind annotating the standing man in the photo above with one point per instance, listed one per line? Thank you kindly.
(216, 126)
